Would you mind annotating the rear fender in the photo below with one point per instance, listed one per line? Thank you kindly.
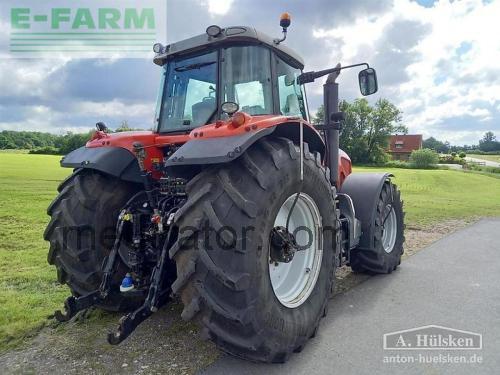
(219, 150)
(311, 136)
(115, 161)
(364, 190)
(215, 150)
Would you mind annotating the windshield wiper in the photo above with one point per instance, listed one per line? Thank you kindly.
(193, 66)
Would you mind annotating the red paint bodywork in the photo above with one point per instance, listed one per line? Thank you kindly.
(345, 166)
(154, 142)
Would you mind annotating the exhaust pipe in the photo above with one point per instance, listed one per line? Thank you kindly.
(332, 122)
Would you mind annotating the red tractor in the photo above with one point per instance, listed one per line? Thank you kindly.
(234, 202)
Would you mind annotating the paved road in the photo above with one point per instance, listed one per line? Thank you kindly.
(489, 163)
(453, 283)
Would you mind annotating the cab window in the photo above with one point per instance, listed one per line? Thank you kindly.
(291, 95)
(246, 76)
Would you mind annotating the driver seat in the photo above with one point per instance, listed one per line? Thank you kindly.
(203, 110)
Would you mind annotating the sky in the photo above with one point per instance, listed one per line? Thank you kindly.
(438, 61)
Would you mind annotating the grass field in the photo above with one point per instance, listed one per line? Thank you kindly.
(29, 293)
(433, 195)
(486, 157)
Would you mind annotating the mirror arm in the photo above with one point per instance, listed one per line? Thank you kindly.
(308, 77)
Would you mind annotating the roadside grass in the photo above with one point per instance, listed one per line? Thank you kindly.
(29, 292)
(495, 158)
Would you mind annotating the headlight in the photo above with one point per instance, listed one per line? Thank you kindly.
(230, 107)
(213, 30)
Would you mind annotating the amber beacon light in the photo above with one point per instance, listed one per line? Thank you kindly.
(285, 20)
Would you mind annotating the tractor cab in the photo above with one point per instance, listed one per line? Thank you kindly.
(236, 64)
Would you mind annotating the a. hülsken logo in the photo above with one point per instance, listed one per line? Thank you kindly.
(433, 337)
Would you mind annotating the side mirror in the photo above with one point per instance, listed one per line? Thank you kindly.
(368, 81)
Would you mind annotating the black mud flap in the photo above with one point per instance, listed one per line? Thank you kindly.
(215, 150)
(115, 161)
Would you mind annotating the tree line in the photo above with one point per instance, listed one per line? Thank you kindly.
(366, 130)
(487, 144)
(47, 143)
(365, 134)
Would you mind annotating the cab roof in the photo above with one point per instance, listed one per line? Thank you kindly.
(229, 36)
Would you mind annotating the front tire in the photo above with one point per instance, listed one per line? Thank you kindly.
(222, 252)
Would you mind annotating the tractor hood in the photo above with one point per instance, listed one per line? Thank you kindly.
(218, 129)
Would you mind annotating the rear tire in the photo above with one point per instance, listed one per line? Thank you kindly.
(224, 280)
(81, 231)
(388, 238)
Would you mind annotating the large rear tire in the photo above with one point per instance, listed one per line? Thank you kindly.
(385, 256)
(81, 231)
(223, 258)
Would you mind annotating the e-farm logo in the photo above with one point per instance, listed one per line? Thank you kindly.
(91, 28)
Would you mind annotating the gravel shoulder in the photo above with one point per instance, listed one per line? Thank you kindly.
(164, 344)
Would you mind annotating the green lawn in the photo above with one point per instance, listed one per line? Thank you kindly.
(433, 195)
(29, 293)
(486, 157)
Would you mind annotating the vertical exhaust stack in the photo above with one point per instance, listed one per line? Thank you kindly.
(332, 118)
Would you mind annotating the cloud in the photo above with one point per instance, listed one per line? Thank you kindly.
(76, 116)
(437, 62)
(218, 7)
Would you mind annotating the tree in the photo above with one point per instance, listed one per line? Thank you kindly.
(72, 141)
(386, 120)
(366, 129)
(319, 118)
(124, 127)
(489, 142)
(438, 146)
(6, 142)
(489, 137)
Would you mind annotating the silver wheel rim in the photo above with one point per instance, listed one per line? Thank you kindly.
(293, 282)
(389, 230)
